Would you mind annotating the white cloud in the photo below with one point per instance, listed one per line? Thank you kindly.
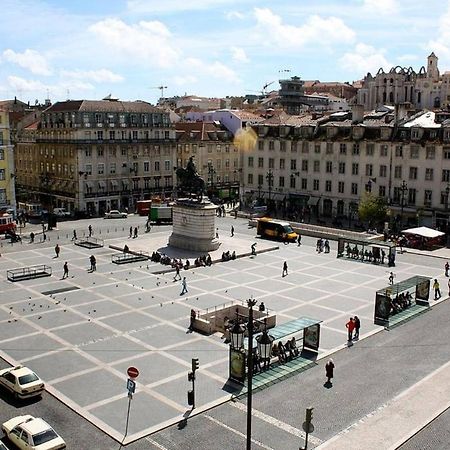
(172, 6)
(317, 30)
(441, 44)
(215, 69)
(363, 59)
(30, 60)
(381, 6)
(238, 55)
(144, 42)
(231, 15)
(183, 80)
(97, 76)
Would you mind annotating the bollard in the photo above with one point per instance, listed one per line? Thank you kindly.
(100, 232)
(107, 231)
(115, 230)
(67, 236)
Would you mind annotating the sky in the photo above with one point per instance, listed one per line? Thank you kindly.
(128, 48)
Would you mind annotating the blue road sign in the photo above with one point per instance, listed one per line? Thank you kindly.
(131, 386)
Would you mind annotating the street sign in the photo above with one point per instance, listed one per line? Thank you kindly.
(308, 427)
(132, 372)
(131, 386)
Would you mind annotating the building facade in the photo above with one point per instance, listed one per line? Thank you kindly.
(7, 174)
(322, 166)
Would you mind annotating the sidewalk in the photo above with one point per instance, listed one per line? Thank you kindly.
(398, 420)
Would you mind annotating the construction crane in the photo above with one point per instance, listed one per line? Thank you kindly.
(161, 88)
(263, 92)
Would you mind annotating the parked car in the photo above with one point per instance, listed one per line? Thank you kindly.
(21, 381)
(115, 214)
(61, 213)
(30, 433)
(3, 446)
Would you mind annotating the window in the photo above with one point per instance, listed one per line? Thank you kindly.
(227, 164)
(446, 151)
(413, 173)
(328, 185)
(250, 161)
(370, 149)
(100, 135)
(343, 149)
(157, 166)
(281, 182)
(315, 185)
(341, 186)
(317, 148)
(293, 164)
(271, 145)
(294, 147)
(383, 150)
(250, 178)
(135, 135)
(100, 169)
(355, 149)
(446, 175)
(316, 166)
(428, 174)
(146, 166)
(414, 152)
(260, 145)
(100, 151)
(329, 149)
(397, 171)
(2, 174)
(112, 135)
(305, 165)
(355, 188)
(369, 170)
(210, 148)
(383, 171)
(2, 154)
(124, 151)
(282, 164)
(342, 167)
(444, 199)
(382, 191)
(304, 183)
(88, 169)
(166, 165)
(355, 168)
(428, 197)
(88, 151)
(292, 186)
(260, 180)
(261, 163)
(112, 168)
(282, 146)
(431, 152)
(329, 167)
(399, 151)
(305, 147)
(218, 148)
(411, 196)
(98, 118)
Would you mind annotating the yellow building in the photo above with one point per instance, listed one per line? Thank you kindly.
(7, 183)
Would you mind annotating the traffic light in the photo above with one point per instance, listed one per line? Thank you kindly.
(195, 364)
(309, 415)
(191, 376)
(191, 398)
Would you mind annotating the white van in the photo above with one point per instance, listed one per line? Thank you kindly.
(61, 212)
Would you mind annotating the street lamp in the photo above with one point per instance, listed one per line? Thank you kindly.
(447, 192)
(403, 189)
(269, 178)
(259, 193)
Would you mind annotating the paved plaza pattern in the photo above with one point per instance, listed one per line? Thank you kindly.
(82, 340)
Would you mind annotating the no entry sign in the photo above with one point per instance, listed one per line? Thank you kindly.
(132, 372)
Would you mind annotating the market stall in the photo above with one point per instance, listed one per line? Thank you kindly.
(423, 238)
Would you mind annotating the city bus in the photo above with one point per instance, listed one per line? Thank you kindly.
(275, 229)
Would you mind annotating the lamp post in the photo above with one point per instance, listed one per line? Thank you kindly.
(269, 178)
(264, 343)
(447, 192)
(403, 189)
(259, 193)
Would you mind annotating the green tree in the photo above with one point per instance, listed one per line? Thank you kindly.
(372, 209)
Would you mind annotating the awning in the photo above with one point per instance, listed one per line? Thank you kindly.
(114, 183)
(125, 184)
(313, 201)
(89, 184)
(102, 185)
(424, 232)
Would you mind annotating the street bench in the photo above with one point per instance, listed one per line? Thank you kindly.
(129, 257)
(90, 242)
(29, 273)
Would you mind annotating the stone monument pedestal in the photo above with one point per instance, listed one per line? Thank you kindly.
(194, 225)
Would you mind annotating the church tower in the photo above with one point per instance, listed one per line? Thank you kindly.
(432, 67)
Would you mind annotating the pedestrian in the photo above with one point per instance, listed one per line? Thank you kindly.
(93, 263)
(125, 249)
(447, 266)
(66, 271)
(327, 246)
(43, 227)
(131, 232)
(44, 237)
(350, 325)
(391, 277)
(74, 237)
(31, 237)
(299, 240)
(232, 231)
(57, 250)
(217, 233)
(383, 255)
(262, 307)
(329, 370)
(184, 285)
(135, 232)
(437, 289)
(177, 273)
(90, 230)
(285, 269)
(253, 247)
(448, 287)
(193, 317)
(357, 326)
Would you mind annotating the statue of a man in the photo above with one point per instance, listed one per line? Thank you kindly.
(190, 167)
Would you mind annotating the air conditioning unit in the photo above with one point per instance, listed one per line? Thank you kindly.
(87, 125)
(100, 125)
(112, 125)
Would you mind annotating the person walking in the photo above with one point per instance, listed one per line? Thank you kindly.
(391, 277)
(184, 284)
(299, 241)
(31, 237)
(57, 250)
(437, 289)
(285, 269)
(177, 273)
(131, 232)
(74, 235)
(357, 327)
(135, 232)
(327, 246)
(447, 267)
(253, 247)
(66, 271)
(90, 230)
(329, 370)
(350, 325)
(93, 263)
(217, 233)
(448, 287)
(232, 231)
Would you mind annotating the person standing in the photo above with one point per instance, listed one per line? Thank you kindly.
(447, 267)
(391, 278)
(90, 230)
(93, 263)
(131, 232)
(232, 231)
(184, 284)
(437, 289)
(217, 233)
(74, 236)
(357, 326)
(31, 237)
(350, 325)
(135, 232)
(327, 246)
(66, 270)
(299, 241)
(329, 370)
(285, 269)
(448, 287)
(57, 250)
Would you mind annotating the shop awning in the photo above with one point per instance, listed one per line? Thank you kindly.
(114, 183)
(313, 201)
(102, 185)
(89, 184)
(424, 232)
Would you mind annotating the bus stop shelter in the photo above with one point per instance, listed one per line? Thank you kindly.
(367, 250)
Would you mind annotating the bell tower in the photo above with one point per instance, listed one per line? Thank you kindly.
(432, 67)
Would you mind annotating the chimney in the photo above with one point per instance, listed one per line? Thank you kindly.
(400, 112)
(357, 113)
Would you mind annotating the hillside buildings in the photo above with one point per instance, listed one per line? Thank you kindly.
(7, 173)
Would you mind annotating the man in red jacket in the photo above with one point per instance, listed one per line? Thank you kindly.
(350, 325)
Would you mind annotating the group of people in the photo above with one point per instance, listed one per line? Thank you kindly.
(227, 256)
(353, 326)
(133, 232)
(221, 211)
(285, 352)
(400, 302)
(203, 261)
(322, 245)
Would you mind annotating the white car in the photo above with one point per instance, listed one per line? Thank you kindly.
(30, 433)
(115, 214)
(21, 381)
